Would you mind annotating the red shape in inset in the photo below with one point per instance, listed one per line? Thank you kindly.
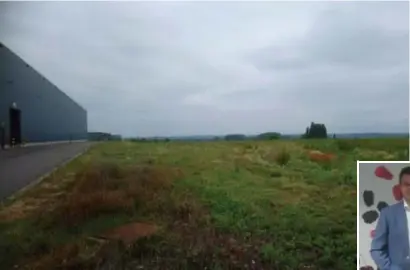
(397, 192)
(372, 233)
(383, 172)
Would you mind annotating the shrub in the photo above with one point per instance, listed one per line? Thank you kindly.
(283, 157)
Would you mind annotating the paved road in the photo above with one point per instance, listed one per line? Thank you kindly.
(20, 166)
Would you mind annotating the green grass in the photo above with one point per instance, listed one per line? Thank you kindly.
(222, 205)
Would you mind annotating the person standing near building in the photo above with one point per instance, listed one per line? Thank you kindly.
(2, 135)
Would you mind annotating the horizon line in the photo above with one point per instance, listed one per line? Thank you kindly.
(255, 134)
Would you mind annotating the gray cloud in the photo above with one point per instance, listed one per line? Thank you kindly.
(346, 37)
(189, 68)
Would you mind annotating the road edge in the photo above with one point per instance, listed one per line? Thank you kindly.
(42, 177)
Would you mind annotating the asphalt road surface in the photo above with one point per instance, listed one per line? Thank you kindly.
(21, 166)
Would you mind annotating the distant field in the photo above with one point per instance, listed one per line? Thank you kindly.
(220, 205)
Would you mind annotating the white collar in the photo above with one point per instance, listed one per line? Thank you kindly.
(406, 205)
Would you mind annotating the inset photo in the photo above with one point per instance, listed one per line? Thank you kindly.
(383, 214)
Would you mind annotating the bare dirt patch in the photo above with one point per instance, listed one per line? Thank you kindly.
(129, 233)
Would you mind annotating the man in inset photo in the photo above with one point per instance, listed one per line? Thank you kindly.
(390, 244)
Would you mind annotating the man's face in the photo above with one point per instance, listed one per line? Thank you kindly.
(405, 187)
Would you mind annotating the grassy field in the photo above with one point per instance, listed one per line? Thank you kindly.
(199, 205)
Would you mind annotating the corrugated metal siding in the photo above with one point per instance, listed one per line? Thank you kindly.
(47, 114)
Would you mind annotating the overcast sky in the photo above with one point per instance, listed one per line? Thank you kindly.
(151, 68)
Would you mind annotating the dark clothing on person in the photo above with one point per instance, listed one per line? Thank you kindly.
(2, 137)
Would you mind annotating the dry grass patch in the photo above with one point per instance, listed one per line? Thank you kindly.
(78, 207)
(22, 209)
(108, 188)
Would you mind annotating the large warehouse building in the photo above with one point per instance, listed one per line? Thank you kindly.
(32, 109)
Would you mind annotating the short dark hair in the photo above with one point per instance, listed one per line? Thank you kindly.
(405, 170)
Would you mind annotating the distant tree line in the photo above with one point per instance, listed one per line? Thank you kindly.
(314, 131)
(235, 137)
(269, 136)
(262, 136)
(103, 136)
(149, 139)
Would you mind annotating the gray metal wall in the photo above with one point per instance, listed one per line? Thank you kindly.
(47, 114)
